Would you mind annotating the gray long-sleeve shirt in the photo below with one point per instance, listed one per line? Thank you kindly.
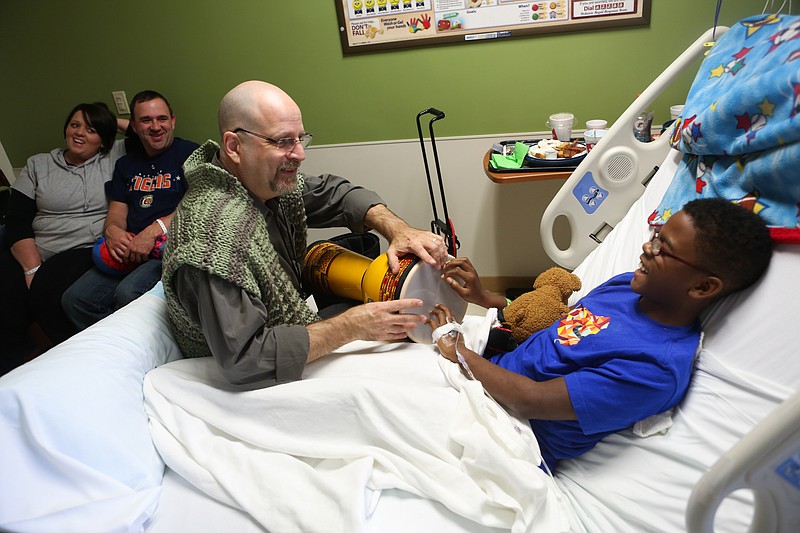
(70, 201)
(234, 322)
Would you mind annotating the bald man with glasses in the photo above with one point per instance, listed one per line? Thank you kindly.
(232, 268)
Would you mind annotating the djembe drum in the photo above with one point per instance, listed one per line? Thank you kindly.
(332, 269)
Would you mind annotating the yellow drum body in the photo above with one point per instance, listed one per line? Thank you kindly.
(335, 270)
(380, 285)
(332, 269)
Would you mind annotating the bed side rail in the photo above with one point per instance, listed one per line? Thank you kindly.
(766, 461)
(611, 177)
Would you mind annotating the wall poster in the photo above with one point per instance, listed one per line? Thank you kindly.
(367, 25)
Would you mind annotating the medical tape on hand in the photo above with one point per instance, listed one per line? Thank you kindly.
(450, 328)
(454, 330)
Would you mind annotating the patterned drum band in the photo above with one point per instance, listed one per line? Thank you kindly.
(392, 284)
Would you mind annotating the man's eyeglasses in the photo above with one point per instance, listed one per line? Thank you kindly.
(286, 143)
(656, 249)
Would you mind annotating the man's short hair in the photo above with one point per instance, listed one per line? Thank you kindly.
(732, 241)
(146, 96)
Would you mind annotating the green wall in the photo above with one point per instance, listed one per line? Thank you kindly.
(55, 54)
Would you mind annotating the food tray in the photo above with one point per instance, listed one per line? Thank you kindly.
(534, 164)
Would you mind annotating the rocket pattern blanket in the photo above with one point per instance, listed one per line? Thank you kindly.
(740, 126)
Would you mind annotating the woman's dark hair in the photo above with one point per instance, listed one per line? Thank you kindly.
(731, 240)
(99, 117)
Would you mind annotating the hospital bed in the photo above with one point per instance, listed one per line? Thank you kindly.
(113, 431)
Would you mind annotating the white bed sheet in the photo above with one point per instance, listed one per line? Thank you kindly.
(75, 451)
(184, 508)
(372, 417)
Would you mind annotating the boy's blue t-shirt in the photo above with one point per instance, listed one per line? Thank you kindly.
(152, 187)
(620, 367)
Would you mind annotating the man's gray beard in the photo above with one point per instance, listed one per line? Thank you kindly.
(286, 188)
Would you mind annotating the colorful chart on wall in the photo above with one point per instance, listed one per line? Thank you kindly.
(368, 25)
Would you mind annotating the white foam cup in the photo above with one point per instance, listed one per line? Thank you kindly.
(675, 111)
(561, 124)
(596, 124)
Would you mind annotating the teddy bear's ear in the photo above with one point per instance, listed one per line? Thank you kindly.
(548, 277)
(576, 282)
(558, 277)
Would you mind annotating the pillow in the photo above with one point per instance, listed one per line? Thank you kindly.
(76, 448)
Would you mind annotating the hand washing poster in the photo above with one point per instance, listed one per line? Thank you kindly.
(367, 25)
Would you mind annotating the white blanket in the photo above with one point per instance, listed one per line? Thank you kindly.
(314, 455)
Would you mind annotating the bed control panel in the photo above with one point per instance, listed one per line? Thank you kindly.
(589, 193)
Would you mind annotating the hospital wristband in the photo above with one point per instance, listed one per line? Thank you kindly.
(32, 271)
(163, 226)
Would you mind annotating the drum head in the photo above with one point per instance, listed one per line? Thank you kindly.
(426, 283)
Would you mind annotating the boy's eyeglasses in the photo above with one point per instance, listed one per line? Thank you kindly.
(286, 143)
(656, 248)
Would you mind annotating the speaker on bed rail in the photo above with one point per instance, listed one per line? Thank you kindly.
(619, 167)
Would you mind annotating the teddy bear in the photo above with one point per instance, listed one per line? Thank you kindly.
(541, 307)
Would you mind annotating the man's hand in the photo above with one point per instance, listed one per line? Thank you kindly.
(376, 321)
(403, 239)
(118, 242)
(430, 248)
(142, 244)
(384, 321)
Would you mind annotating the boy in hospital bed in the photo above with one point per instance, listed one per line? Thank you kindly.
(626, 350)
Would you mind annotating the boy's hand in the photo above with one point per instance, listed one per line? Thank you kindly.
(463, 278)
(441, 315)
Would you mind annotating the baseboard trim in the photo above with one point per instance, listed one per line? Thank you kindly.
(502, 283)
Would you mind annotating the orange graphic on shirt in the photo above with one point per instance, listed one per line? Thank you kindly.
(580, 323)
(151, 183)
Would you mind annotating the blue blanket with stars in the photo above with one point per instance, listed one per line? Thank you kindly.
(740, 126)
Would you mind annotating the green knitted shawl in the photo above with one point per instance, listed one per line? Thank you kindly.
(218, 229)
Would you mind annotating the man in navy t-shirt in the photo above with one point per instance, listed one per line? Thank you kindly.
(144, 191)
